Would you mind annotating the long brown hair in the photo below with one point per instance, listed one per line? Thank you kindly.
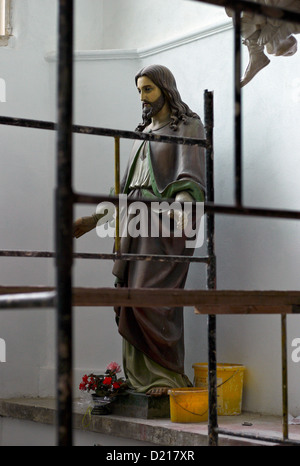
(164, 79)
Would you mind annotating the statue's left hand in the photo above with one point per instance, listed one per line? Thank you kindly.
(83, 225)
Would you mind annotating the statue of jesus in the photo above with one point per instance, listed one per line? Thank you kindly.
(153, 338)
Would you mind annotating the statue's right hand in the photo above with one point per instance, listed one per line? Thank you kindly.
(83, 225)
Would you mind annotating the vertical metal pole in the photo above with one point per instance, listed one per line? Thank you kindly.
(209, 124)
(284, 378)
(64, 220)
(237, 107)
(117, 192)
(211, 274)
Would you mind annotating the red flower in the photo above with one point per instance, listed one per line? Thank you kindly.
(107, 381)
(103, 384)
(113, 367)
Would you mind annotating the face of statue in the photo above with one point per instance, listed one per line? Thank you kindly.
(151, 96)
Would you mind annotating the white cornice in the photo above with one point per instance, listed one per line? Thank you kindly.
(134, 54)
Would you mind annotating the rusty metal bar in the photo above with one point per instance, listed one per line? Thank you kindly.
(109, 256)
(284, 381)
(252, 211)
(28, 300)
(209, 207)
(237, 108)
(63, 226)
(92, 130)
(209, 197)
(211, 274)
(117, 192)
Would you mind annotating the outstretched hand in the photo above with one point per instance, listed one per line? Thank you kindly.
(83, 225)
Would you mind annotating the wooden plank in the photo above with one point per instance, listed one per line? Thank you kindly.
(24, 289)
(246, 309)
(204, 301)
(171, 297)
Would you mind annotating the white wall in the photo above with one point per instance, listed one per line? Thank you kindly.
(28, 181)
(133, 24)
(251, 253)
(27, 178)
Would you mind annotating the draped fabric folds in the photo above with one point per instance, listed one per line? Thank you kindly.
(158, 333)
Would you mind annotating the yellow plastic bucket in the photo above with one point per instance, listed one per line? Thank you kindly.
(230, 379)
(188, 404)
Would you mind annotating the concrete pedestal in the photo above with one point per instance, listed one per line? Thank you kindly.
(139, 405)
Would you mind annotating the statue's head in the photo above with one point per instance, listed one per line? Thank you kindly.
(162, 77)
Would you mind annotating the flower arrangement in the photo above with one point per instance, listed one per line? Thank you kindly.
(107, 385)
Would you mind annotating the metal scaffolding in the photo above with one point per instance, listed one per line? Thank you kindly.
(62, 297)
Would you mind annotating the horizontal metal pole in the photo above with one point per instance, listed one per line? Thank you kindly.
(28, 300)
(251, 211)
(28, 123)
(275, 12)
(93, 199)
(108, 256)
(209, 207)
(92, 130)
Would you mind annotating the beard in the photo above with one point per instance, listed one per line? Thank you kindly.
(153, 108)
